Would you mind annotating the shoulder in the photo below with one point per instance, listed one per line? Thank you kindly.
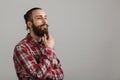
(21, 44)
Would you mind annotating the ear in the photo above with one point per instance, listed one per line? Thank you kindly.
(29, 24)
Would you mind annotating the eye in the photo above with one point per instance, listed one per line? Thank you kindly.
(45, 18)
(39, 18)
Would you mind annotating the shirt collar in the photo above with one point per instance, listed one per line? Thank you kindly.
(34, 41)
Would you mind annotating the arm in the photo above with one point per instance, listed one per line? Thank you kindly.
(36, 70)
(56, 72)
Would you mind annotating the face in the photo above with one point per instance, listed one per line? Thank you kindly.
(39, 30)
(39, 23)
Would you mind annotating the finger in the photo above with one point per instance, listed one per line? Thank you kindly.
(45, 37)
(45, 40)
(50, 36)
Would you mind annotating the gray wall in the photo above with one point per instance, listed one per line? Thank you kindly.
(87, 35)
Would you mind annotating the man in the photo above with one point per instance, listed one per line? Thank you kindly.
(34, 57)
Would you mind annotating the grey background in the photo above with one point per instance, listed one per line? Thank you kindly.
(87, 35)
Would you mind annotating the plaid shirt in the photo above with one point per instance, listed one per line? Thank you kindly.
(34, 61)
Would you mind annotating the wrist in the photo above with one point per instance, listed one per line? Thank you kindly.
(49, 53)
(51, 47)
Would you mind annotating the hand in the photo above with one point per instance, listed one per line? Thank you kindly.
(49, 42)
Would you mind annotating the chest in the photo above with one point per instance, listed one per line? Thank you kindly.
(36, 53)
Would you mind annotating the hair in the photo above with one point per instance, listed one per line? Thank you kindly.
(28, 15)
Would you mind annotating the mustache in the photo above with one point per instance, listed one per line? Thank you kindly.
(44, 25)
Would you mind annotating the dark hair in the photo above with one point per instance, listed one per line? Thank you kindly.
(28, 15)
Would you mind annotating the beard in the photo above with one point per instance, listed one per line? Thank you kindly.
(39, 31)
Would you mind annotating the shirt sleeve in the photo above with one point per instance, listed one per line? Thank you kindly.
(56, 72)
(36, 70)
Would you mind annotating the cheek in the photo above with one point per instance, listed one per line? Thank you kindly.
(37, 23)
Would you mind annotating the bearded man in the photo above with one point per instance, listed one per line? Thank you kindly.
(34, 56)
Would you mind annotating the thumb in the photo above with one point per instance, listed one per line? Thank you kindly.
(45, 40)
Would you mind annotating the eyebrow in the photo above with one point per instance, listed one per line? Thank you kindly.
(40, 16)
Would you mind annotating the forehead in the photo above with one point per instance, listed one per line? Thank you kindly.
(38, 12)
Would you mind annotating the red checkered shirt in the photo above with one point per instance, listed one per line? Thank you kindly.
(34, 61)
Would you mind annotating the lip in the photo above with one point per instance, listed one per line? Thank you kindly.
(44, 26)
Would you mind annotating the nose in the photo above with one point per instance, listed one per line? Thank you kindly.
(44, 21)
(45, 25)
